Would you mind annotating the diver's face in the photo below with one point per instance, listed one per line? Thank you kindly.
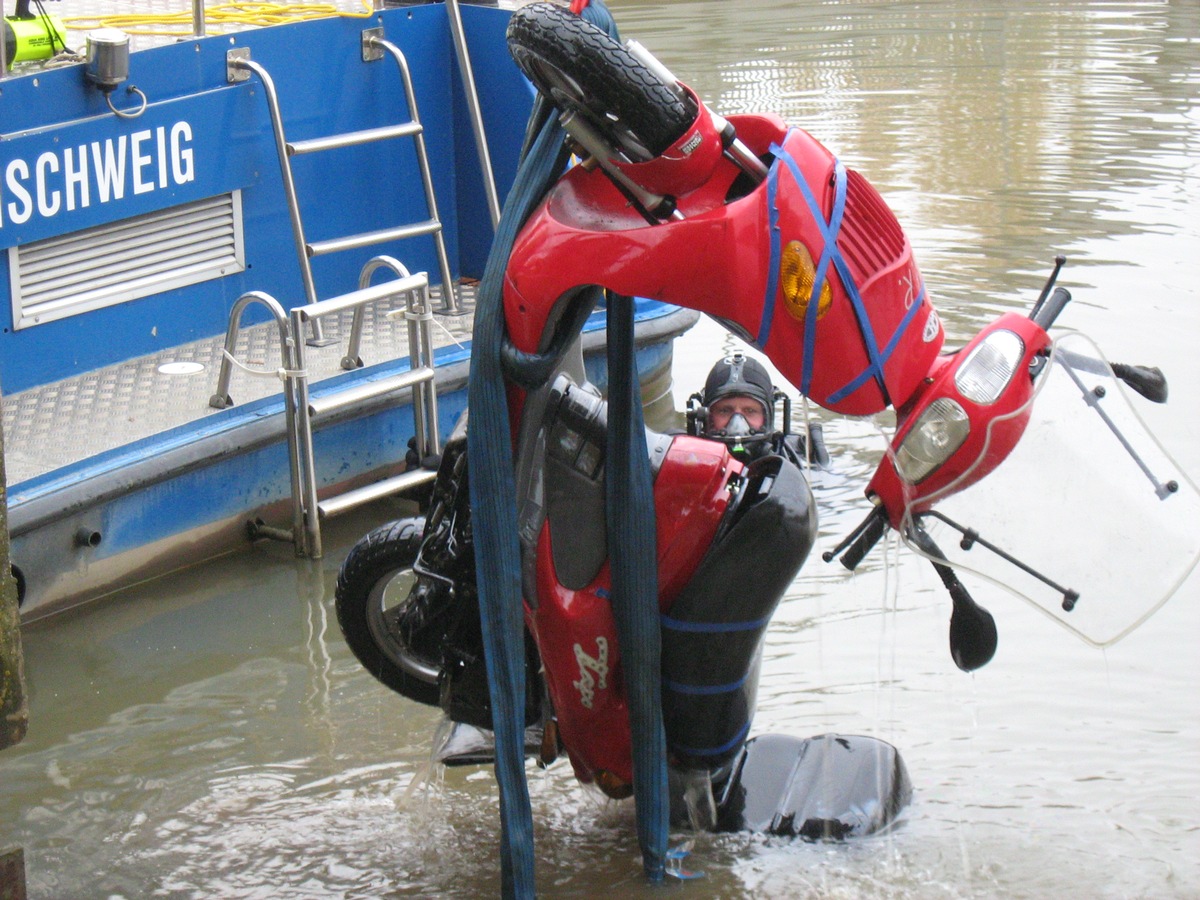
(726, 408)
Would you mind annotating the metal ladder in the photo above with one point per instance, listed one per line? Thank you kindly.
(303, 412)
(239, 67)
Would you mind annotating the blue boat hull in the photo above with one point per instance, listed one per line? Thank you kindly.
(71, 170)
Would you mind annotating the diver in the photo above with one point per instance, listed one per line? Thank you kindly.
(737, 407)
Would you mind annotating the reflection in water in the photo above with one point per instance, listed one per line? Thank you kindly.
(211, 734)
(1006, 131)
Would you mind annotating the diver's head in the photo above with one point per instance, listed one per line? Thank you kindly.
(739, 399)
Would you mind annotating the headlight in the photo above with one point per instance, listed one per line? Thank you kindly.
(986, 372)
(939, 431)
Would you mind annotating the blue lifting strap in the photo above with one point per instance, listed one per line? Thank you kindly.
(497, 549)
(634, 566)
(494, 517)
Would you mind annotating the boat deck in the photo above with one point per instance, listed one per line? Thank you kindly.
(60, 423)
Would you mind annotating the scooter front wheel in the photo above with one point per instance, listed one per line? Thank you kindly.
(388, 613)
(580, 69)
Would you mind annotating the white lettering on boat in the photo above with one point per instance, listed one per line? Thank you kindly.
(102, 171)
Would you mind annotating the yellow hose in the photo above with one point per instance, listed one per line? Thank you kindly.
(242, 15)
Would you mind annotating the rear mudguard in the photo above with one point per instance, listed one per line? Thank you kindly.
(868, 348)
(712, 635)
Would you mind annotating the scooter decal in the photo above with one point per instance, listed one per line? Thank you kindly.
(587, 685)
(931, 327)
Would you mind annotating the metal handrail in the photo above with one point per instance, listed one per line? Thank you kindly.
(374, 46)
(285, 170)
(415, 288)
(373, 39)
(468, 77)
(287, 347)
(221, 399)
(352, 360)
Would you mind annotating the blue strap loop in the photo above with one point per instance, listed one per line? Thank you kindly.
(735, 741)
(704, 690)
(712, 627)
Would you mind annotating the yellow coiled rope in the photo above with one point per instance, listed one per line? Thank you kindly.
(237, 15)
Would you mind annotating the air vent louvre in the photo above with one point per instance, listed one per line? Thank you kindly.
(137, 257)
(871, 239)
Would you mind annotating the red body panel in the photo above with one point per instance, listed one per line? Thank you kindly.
(723, 258)
(575, 630)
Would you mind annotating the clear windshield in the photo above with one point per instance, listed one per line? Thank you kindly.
(1088, 499)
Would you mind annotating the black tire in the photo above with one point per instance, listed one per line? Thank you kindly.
(579, 68)
(375, 585)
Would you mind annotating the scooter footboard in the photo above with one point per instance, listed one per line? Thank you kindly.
(712, 634)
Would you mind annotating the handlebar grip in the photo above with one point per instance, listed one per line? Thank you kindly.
(874, 528)
(1045, 313)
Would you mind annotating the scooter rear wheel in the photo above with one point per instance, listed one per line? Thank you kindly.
(580, 69)
(375, 588)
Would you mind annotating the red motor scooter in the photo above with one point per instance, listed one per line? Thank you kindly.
(760, 226)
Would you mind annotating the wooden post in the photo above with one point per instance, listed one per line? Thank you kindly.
(14, 711)
(12, 875)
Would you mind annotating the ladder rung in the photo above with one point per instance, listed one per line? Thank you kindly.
(377, 491)
(370, 294)
(319, 406)
(353, 138)
(367, 238)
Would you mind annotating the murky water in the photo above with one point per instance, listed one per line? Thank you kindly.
(211, 736)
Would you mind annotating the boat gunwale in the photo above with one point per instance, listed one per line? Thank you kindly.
(67, 490)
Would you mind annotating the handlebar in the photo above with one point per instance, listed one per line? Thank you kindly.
(1044, 314)
(1149, 381)
(860, 540)
(972, 629)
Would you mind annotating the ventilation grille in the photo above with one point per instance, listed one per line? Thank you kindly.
(871, 239)
(137, 257)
